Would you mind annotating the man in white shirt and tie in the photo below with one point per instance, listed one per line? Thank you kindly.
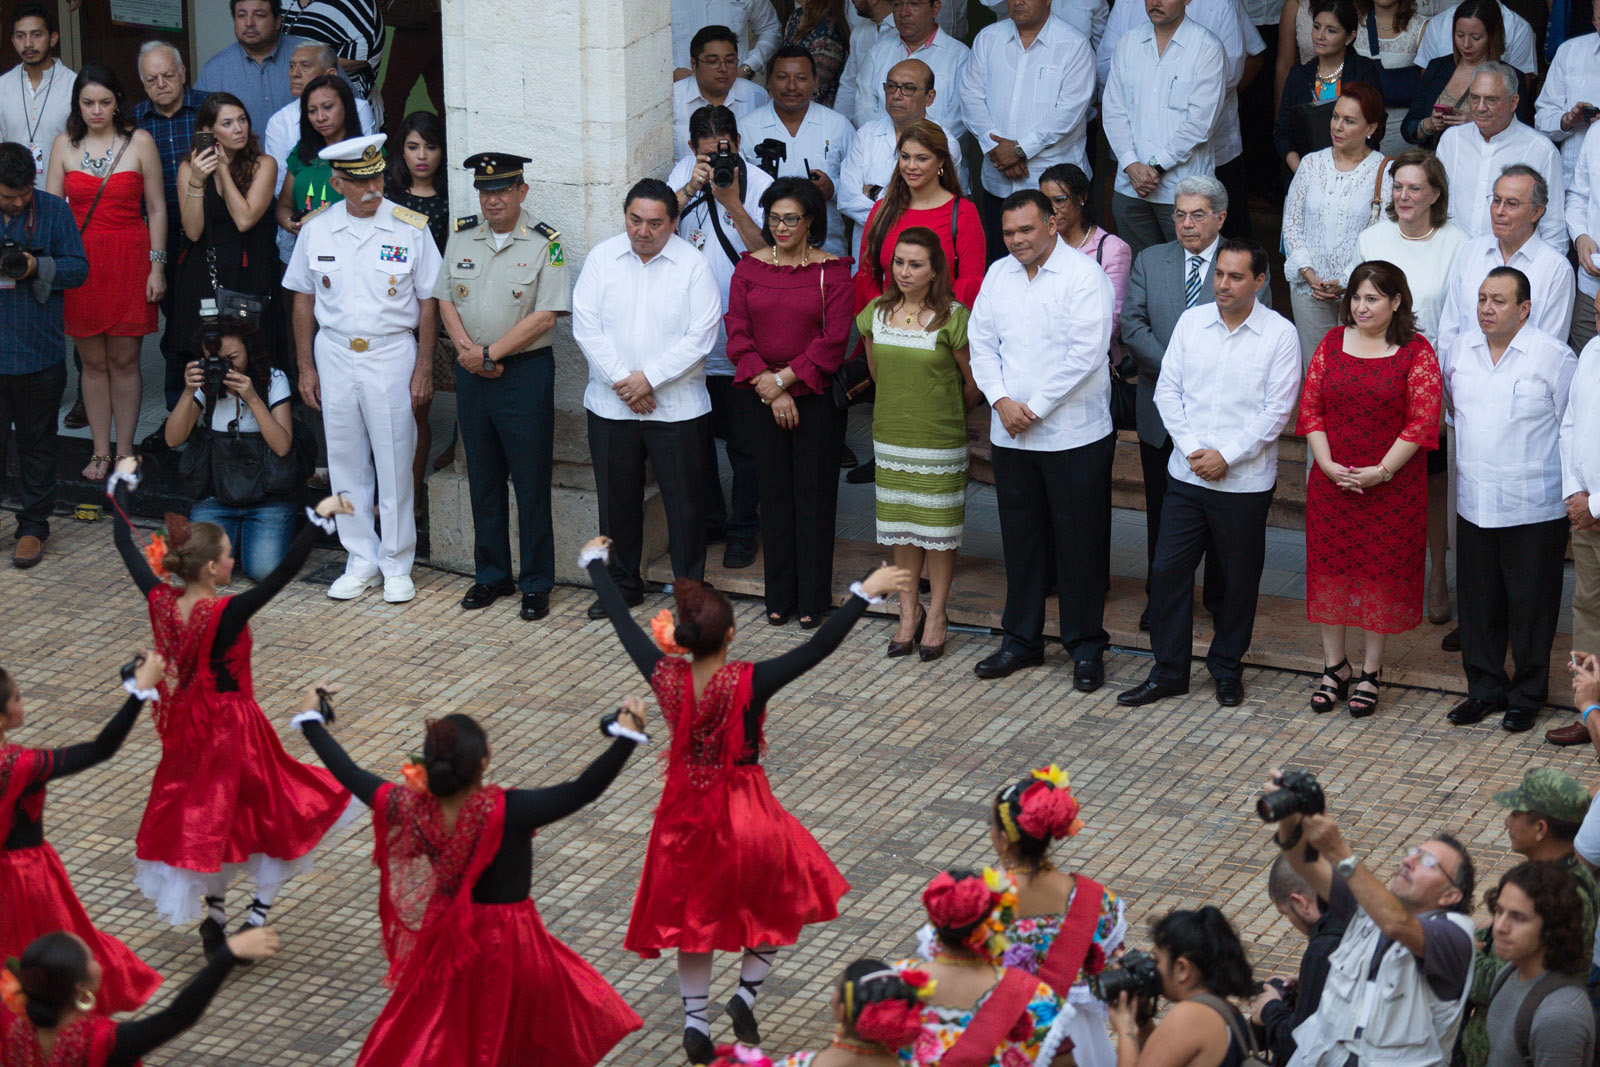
(645, 311)
(873, 157)
(1038, 337)
(747, 18)
(1163, 94)
(1025, 96)
(917, 36)
(1229, 380)
(1505, 387)
(714, 59)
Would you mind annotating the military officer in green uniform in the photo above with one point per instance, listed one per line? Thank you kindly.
(502, 287)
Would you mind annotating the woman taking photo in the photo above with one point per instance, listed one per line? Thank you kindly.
(110, 173)
(327, 116)
(1371, 400)
(1311, 88)
(255, 400)
(226, 187)
(916, 338)
(788, 323)
(925, 190)
(1201, 962)
(1478, 35)
(472, 967)
(1331, 200)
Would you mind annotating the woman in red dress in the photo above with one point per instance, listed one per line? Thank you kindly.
(727, 869)
(38, 895)
(478, 981)
(226, 798)
(924, 191)
(109, 171)
(1370, 403)
(53, 1012)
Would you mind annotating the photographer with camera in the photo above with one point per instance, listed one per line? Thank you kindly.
(240, 465)
(1399, 979)
(1197, 962)
(1285, 1003)
(41, 255)
(719, 212)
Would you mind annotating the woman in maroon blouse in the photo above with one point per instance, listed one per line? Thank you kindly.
(789, 312)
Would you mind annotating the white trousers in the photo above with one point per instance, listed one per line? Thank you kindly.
(372, 438)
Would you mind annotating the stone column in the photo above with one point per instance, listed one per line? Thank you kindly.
(584, 89)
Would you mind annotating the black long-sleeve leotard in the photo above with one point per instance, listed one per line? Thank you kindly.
(509, 876)
(766, 677)
(236, 613)
(137, 1039)
(24, 832)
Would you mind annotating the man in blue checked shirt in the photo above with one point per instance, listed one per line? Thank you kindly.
(41, 257)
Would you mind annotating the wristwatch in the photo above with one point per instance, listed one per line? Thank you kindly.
(488, 360)
(749, 71)
(1022, 157)
(1347, 866)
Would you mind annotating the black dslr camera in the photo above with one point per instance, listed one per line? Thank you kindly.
(14, 259)
(771, 152)
(1301, 795)
(725, 164)
(1136, 975)
(214, 367)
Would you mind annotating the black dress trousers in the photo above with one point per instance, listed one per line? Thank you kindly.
(676, 451)
(1508, 583)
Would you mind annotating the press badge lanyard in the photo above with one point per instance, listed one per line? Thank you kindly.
(22, 78)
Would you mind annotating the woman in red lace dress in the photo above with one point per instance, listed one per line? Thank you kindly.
(226, 798)
(727, 869)
(1370, 403)
(38, 896)
(477, 979)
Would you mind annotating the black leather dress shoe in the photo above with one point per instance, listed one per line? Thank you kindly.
(1471, 711)
(481, 596)
(597, 610)
(1230, 692)
(1144, 621)
(1150, 692)
(738, 554)
(1088, 675)
(1518, 719)
(1003, 663)
(1451, 642)
(535, 606)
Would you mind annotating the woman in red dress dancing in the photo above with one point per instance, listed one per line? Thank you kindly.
(226, 797)
(1370, 404)
(53, 995)
(37, 894)
(727, 869)
(477, 979)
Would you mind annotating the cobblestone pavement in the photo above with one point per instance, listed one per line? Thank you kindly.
(889, 763)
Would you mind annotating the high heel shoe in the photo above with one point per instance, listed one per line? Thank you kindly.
(1326, 696)
(903, 648)
(1439, 614)
(929, 653)
(1363, 704)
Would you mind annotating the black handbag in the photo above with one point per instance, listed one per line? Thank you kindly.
(239, 469)
(1124, 377)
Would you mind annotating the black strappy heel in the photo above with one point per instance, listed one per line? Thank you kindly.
(1364, 704)
(1327, 696)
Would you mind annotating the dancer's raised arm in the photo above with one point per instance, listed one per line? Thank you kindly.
(241, 606)
(771, 675)
(640, 648)
(529, 809)
(70, 759)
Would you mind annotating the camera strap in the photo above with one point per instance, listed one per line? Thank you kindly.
(102, 190)
(713, 209)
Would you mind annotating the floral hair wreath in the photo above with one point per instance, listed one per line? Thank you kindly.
(1043, 810)
(892, 1023)
(664, 629)
(987, 903)
(177, 533)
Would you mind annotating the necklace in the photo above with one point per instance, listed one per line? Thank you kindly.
(839, 1041)
(1331, 78)
(911, 316)
(1086, 235)
(805, 257)
(1424, 237)
(100, 167)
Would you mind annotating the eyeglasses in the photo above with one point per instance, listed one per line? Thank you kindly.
(1063, 201)
(1424, 857)
(720, 62)
(1190, 216)
(1509, 205)
(1474, 100)
(788, 222)
(901, 88)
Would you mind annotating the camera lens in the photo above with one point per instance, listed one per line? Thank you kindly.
(1277, 806)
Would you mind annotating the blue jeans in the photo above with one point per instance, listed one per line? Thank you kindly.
(260, 534)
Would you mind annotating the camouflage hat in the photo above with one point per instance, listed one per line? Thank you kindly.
(1548, 792)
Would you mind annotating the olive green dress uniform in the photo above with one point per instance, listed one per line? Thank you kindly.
(507, 423)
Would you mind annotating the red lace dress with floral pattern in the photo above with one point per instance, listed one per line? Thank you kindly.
(89, 1042)
(1365, 552)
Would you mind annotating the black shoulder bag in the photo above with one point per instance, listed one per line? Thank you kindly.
(238, 468)
(1124, 375)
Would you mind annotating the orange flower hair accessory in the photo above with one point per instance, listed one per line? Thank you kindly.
(11, 994)
(663, 629)
(414, 774)
(155, 552)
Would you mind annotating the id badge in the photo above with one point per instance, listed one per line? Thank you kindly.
(38, 157)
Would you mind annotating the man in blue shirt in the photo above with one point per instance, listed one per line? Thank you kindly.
(42, 255)
(255, 68)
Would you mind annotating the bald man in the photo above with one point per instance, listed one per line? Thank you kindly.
(870, 163)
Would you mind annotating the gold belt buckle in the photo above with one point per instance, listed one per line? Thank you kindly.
(358, 344)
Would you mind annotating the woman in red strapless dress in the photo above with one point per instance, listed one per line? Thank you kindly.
(226, 798)
(38, 895)
(109, 171)
(727, 869)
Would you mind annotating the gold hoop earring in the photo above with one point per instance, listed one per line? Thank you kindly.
(78, 1002)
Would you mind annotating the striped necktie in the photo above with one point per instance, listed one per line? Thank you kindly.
(1191, 288)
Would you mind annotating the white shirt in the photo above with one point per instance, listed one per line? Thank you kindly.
(1228, 23)
(1038, 96)
(1574, 75)
(1088, 17)
(1160, 108)
(746, 18)
(1508, 422)
(871, 161)
(352, 265)
(1429, 265)
(822, 141)
(1043, 342)
(1549, 279)
(1521, 51)
(1231, 390)
(1580, 430)
(695, 227)
(944, 55)
(660, 317)
(33, 117)
(863, 36)
(744, 96)
(230, 407)
(1582, 210)
(1474, 165)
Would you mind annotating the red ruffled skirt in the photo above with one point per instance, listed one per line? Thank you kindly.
(523, 1000)
(38, 899)
(727, 869)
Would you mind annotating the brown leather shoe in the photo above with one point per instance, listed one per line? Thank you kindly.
(1575, 734)
(30, 550)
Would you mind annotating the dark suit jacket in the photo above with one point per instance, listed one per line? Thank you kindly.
(1150, 311)
(1434, 78)
(1297, 93)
